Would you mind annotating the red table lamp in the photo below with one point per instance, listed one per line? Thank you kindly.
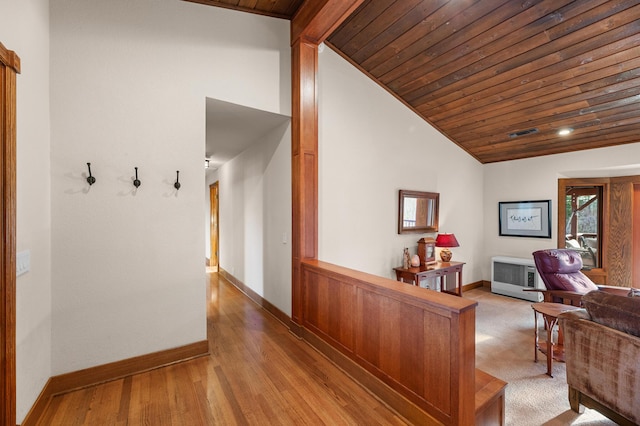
(445, 241)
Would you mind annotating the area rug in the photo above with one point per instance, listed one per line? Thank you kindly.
(505, 349)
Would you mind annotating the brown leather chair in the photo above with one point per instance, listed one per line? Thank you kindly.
(560, 270)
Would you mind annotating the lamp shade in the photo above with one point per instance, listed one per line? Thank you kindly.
(446, 240)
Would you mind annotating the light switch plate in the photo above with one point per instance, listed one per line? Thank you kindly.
(23, 262)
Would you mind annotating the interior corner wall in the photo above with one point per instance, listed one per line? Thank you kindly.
(255, 217)
(129, 82)
(24, 28)
(370, 147)
(537, 179)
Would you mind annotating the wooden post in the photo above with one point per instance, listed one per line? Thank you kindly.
(9, 66)
(304, 164)
(312, 24)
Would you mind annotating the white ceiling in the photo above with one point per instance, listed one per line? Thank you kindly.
(233, 128)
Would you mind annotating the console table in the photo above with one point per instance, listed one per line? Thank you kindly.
(437, 270)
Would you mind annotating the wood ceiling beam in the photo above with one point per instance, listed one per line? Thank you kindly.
(313, 22)
(317, 19)
(254, 10)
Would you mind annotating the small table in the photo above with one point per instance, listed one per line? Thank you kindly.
(550, 312)
(436, 270)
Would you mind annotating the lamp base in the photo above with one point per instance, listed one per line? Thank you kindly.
(445, 255)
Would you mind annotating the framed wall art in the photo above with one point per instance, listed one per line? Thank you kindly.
(525, 218)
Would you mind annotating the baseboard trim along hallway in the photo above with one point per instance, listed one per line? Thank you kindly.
(107, 372)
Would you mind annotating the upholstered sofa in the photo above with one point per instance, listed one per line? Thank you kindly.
(602, 354)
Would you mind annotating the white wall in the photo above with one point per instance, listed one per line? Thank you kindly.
(24, 28)
(537, 179)
(370, 147)
(128, 86)
(129, 83)
(255, 217)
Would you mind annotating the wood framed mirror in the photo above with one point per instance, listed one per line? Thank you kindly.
(418, 211)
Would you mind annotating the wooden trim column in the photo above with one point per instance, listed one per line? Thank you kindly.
(312, 24)
(9, 66)
(304, 164)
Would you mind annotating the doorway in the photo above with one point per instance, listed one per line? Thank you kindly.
(9, 67)
(213, 223)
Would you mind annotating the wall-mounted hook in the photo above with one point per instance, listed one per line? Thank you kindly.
(136, 181)
(177, 184)
(91, 180)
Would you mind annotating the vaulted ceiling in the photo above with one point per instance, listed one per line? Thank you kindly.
(500, 78)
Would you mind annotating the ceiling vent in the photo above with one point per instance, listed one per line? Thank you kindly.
(523, 132)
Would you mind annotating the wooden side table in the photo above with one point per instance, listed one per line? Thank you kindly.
(436, 270)
(550, 312)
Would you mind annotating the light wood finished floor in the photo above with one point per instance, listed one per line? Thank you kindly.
(258, 373)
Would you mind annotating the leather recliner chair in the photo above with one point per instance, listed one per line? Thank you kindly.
(560, 270)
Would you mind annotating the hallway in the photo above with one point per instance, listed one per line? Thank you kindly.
(257, 373)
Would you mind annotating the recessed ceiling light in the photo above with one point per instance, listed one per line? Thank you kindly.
(565, 132)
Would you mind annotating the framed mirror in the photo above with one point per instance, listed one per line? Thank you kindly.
(418, 212)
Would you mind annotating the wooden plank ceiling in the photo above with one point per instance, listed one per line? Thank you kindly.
(500, 78)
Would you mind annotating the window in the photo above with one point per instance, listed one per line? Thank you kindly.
(583, 223)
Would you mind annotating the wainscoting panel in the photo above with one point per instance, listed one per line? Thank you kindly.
(419, 343)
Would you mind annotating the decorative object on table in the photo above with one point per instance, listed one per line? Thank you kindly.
(525, 219)
(427, 250)
(417, 212)
(90, 179)
(415, 260)
(406, 261)
(445, 241)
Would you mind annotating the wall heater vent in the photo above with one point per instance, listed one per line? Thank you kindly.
(511, 275)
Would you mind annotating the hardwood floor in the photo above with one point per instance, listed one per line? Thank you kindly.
(257, 373)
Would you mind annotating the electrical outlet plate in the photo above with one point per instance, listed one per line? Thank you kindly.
(23, 262)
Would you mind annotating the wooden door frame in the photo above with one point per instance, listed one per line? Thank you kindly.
(9, 67)
(635, 245)
(214, 223)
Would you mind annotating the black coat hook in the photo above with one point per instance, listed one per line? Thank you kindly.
(90, 179)
(177, 184)
(136, 181)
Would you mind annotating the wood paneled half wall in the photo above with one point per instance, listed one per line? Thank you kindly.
(419, 343)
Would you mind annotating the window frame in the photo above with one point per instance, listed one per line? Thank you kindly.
(575, 192)
(599, 274)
